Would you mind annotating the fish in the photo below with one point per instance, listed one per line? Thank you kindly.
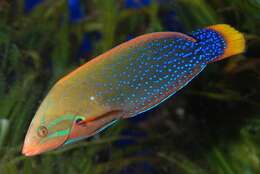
(125, 81)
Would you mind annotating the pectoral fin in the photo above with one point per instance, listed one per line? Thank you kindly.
(115, 114)
(93, 125)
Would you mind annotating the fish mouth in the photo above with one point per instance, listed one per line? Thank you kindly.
(30, 149)
(29, 152)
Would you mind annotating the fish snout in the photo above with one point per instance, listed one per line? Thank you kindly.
(33, 147)
(29, 151)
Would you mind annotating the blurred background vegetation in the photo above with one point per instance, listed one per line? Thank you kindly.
(210, 127)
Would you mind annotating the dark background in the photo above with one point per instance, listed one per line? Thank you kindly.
(210, 127)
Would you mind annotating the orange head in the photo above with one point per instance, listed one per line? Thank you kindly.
(66, 116)
(48, 129)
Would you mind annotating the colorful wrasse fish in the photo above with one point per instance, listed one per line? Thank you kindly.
(124, 82)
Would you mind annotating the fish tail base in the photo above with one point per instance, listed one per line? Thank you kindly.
(234, 40)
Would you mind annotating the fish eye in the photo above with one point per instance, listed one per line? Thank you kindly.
(79, 119)
(42, 131)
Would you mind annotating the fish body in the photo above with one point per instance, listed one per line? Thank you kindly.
(124, 82)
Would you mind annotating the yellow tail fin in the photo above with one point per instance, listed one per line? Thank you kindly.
(235, 40)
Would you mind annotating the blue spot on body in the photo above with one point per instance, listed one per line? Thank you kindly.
(146, 75)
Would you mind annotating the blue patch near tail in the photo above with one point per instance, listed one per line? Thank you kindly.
(212, 43)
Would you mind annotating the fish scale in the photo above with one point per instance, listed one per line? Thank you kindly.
(149, 72)
(145, 71)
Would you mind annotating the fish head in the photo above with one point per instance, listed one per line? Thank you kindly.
(58, 120)
(52, 123)
(47, 132)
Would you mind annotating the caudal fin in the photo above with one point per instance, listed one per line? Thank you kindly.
(234, 40)
(217, 42)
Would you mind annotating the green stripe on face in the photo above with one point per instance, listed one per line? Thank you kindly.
(42, 120)
(60, 119)
(59, 133)
(56, 134)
